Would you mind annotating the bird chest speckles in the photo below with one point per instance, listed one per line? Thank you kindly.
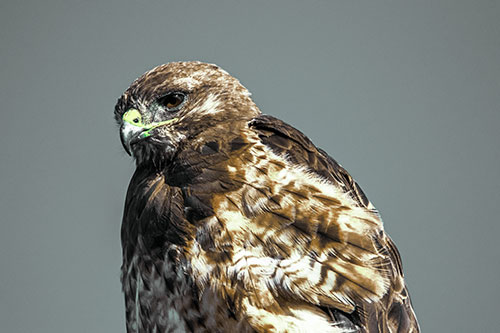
(158, 293)
(160, 296)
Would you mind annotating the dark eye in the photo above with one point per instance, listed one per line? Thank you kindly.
(171, 101)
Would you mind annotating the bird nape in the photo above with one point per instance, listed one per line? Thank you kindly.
(235, 221)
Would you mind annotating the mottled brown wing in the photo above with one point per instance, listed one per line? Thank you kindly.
(393, 313)
(283, 139)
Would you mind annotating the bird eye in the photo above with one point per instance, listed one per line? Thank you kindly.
(171, 101)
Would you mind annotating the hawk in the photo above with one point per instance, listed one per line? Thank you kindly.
(235, 221)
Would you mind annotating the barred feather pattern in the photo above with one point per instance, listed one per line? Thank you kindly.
(163, 299)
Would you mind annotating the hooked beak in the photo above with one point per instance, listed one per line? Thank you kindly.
(130, 134)
(133, 130)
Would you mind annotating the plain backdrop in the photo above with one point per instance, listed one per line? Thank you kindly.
(404, 94)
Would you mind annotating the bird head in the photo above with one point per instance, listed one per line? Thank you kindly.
(174, 105)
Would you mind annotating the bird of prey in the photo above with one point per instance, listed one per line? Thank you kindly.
(235, 221)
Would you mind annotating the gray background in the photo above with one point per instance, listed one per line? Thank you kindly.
(405, 94)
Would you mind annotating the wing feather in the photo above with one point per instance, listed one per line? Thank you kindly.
(352, 257)
(286, 140)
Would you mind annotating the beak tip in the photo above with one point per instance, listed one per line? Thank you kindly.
(125, 142)
(127, 150)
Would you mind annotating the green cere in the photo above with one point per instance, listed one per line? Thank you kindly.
(134, 118)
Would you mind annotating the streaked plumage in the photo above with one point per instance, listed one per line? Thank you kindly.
(235, 222)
